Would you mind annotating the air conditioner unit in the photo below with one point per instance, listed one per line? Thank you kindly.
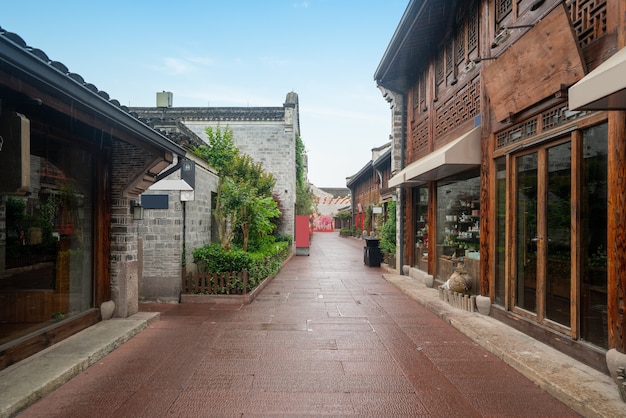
(164, 99)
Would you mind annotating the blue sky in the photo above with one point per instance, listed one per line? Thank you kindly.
(233, 53)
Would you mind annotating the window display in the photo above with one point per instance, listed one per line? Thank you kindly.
(458, 225)
(420, 198)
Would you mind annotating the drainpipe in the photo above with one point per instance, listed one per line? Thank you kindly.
(184, 260)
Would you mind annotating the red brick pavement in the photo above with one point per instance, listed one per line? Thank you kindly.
(328, 336)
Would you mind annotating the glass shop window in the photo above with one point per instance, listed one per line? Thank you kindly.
(46, 241)
(458, 225)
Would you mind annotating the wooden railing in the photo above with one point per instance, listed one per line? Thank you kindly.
(228, 283)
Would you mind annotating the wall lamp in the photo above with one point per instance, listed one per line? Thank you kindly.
(503, 34)
(537, 4)
(136, 211)
(479, 59)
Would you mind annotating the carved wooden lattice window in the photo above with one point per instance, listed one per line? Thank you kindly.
(449, 56)
(472, 29)
(550, 119)
(422, 90)
(460, 43)
(517, 133)
(419, 140)
(503, 8)
(419, 93)
(439, 68)
(588, 18)
(558, 116)
(463, 106)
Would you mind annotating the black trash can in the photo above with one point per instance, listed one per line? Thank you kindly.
(371, 252)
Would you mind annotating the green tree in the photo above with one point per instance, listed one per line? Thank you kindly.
(245, 170)
(221, 151)
(304, 197)
(257, 215)
(244, 196)
(388, 234)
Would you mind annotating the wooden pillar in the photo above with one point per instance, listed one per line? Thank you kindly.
(617, 230)
(487, 188)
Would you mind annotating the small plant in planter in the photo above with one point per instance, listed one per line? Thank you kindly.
(388, 236)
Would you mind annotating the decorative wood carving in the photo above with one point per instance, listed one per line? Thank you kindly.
(588, 18)
(545, 57)
(461, 107)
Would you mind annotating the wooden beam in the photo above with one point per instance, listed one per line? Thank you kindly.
(616, 234)
(561, 63)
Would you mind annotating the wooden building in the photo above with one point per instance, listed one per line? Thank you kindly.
(498, 174)
(369, 190)
(73, 163)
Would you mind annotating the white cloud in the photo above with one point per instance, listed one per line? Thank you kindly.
(179, 66)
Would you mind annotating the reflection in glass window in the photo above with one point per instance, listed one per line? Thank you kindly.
(46, 274)
(500, 259)
(594, 327)
(458, 225)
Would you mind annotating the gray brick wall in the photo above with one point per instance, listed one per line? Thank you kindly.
(273, 143)
(161, 236)
(127, 162)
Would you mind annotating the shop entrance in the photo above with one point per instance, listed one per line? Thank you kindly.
(558, 223)
(543, 256)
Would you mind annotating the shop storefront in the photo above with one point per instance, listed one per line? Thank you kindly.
(46, 272)
(72, 166)
(444, 208)
(550, 100)
(458, 226)
(551, 233)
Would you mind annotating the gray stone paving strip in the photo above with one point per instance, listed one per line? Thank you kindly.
(584, 389)
(25, 382)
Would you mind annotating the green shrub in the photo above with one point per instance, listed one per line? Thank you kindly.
(213, 258)
(345, 232)
(261, 264)
(388, 233)
(284, 238)
(267, 262)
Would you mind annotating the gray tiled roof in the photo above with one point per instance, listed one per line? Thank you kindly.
(212, 113)
(336, 191)
(16, 53)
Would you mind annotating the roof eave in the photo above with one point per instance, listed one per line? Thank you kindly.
(408, 20)
(352, 179)
(43, 73)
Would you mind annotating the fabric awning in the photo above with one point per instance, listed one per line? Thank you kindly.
(459, 155)
(171, 185)
(603, 88)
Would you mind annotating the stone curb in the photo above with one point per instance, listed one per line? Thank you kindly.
(582, 388)
(24, 383)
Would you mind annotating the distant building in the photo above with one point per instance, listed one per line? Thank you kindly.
(329, 202)
(369, 188)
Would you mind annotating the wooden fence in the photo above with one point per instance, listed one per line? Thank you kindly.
(228, 283)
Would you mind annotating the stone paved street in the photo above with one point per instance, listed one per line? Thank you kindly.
(327, 336)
